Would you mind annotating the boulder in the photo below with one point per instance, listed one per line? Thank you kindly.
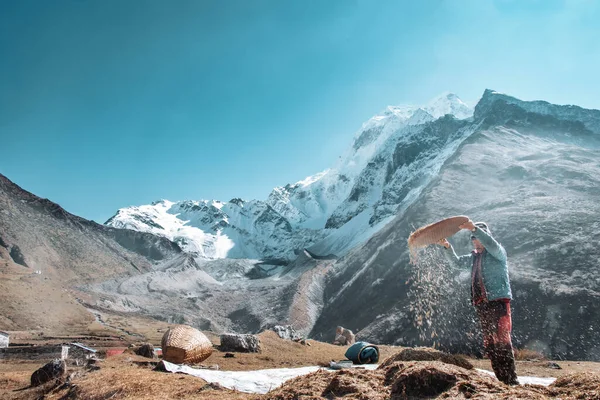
(344, 337)
(145, 350)
(286, 332)
(553, 365)
(240, 343)
(53, 370)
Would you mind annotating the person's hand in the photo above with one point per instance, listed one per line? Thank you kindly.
(444, 242)
(467, 225)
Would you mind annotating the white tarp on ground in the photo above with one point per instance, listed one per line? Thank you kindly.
(263, 380)
(260, 381)
(523, 380)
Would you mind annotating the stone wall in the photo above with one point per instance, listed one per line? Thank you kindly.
(34, 352)
(79, 353)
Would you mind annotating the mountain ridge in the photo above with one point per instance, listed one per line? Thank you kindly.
(534, 178)
(306, 214)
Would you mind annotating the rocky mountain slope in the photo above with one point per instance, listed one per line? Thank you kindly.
(532, 171)
(57, 270)
(41, 235)
(328, 213)
(222, 295)
(45, 252)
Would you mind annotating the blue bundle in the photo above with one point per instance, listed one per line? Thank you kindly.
(363, 353)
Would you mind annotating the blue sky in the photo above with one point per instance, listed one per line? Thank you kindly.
(106, 104)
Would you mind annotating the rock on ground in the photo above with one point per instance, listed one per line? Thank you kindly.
(53, 370)
(145, 350)
(286, 332)
(344, 337)
(240, 343)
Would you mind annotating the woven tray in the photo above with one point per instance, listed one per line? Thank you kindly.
(433, 233)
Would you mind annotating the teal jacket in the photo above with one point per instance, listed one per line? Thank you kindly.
(494, 266)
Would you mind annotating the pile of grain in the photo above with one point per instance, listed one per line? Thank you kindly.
(427, 354)
(427, 379)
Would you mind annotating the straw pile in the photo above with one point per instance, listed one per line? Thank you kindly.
(577, 386)
(426, 354)
(347, 383)
(428, 379)
(184, 344)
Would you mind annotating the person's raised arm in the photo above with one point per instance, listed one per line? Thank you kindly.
(450, 254)
(491, 245)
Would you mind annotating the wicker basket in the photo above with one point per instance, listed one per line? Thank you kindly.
(184, 344)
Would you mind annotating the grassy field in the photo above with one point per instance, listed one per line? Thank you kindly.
(132, 376)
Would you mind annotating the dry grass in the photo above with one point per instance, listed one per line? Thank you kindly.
(278, 353)
(528, 355)
(11, 382)
(36, 302)
(120, 378)
(142, 329)
(132, 376)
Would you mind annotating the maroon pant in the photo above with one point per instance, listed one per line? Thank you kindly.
(496, 325)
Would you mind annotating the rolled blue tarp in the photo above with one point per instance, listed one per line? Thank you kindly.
(363, 353)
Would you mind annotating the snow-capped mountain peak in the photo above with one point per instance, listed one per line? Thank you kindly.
(408, 114)
(162, 202)
(449, 103)
(420, 116)
(312, 179)
(302, 214)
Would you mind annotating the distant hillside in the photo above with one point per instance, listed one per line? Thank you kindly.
(45, 252)
(43, 236)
